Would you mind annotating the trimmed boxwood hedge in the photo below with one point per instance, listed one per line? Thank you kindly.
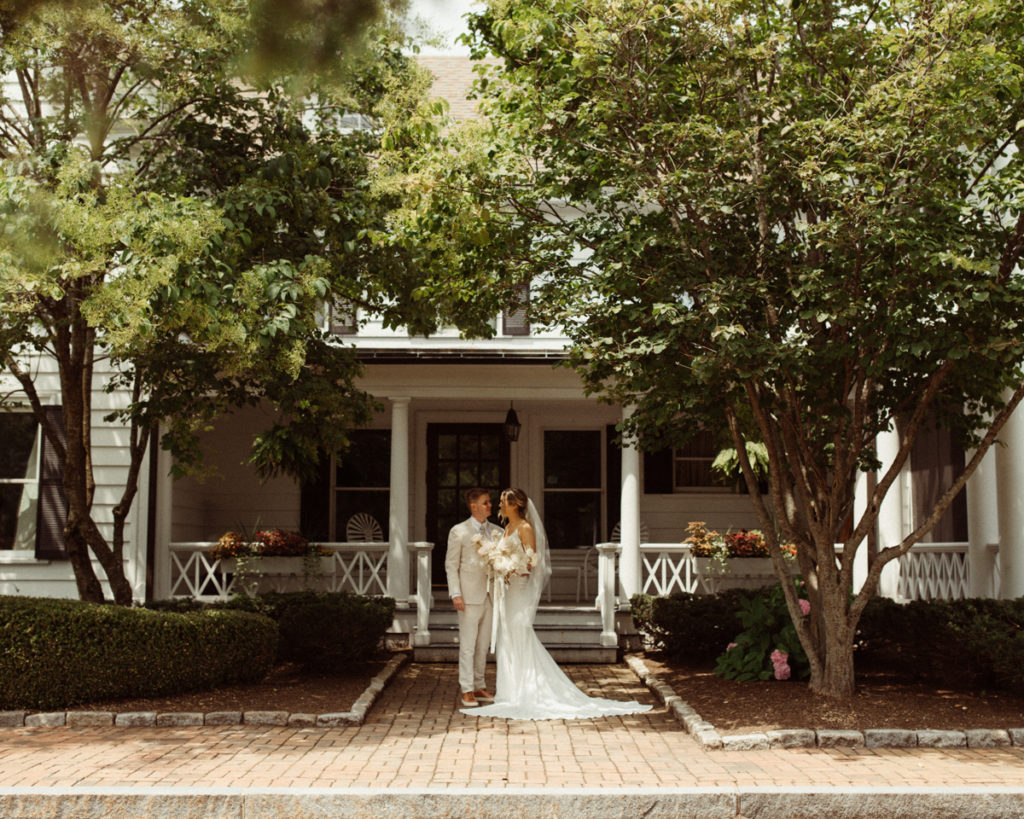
(323, 631)
(975, 644)
(59, 653)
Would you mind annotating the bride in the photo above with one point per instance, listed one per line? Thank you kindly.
(530, 685)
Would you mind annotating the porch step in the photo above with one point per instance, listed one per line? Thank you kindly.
(570, 634)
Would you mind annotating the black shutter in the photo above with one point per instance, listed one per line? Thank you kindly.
(52, 508)
(658, 472)
(344, 320)
(613, 478)
(315, 503)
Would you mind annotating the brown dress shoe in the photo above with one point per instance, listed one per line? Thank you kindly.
(483, 694)
(468, 699)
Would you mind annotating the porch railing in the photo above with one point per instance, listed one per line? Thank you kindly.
(935, 571)
(360, 568)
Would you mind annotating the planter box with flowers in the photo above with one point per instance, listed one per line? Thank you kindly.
(272, 554)
(736, 560)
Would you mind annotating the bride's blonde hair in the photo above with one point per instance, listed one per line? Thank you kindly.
(516, 498)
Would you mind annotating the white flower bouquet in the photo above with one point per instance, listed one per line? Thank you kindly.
(504, 557)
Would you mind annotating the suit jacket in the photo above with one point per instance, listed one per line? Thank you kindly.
(466, 570)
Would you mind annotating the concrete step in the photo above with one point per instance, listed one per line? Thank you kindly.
(549, 635)
(562, 653)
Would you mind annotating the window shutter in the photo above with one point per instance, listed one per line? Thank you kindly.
(343, 318)
(315, 503)
(613, 479)
(658, 472)
(52, 510)
(514, 322)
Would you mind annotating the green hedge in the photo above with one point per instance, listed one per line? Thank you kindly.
(324, 631)
(975, 644)
(690, 627)
(59, 653)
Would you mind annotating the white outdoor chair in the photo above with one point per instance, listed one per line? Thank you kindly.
(363, 528)
(645, 535)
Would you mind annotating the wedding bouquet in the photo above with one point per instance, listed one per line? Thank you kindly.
(504, 557)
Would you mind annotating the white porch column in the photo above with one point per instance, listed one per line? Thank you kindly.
(982, 525)
(860, 505)
(630, 579)
(1010, 497)
(398, 515)
(890, 516)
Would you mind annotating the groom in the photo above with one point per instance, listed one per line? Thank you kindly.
(467, 586)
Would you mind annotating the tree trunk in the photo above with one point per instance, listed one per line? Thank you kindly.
(838, 680)
(89, 587)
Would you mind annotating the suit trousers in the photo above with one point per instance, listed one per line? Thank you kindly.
(474, 640)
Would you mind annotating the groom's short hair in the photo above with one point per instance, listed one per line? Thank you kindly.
(474, 493)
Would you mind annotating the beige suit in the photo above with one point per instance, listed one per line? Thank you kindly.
(467, 578)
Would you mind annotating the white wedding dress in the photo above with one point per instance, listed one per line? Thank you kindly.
(530, 685)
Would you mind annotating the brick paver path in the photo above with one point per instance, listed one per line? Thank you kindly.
(415, 737)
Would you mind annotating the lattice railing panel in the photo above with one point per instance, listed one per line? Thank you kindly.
(354, 567)
(935, 572)
(668, 568)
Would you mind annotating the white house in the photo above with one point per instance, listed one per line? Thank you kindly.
(441, 430)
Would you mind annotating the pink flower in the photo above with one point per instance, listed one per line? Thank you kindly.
(731, 645)
(805, 606)
(779, 660)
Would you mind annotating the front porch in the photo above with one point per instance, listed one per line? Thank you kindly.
(584, 614)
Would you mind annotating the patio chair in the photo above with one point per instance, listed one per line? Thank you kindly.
(363, 528)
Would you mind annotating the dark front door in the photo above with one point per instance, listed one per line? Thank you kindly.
(460, 457)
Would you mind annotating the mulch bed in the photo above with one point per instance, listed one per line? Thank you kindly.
(287, 688)
(881, 701)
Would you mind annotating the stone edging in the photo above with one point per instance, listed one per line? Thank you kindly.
(178, 719)
(706, 734)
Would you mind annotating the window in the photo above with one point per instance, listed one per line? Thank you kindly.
(572, 487)
(691, 464)
(19, 480)
(362, 484)
(685, 469)
(33, 506)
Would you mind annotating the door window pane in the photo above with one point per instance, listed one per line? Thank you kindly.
(572, 459)
(571, 518)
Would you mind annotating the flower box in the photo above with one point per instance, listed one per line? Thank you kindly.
(738, 573)
(278, 566)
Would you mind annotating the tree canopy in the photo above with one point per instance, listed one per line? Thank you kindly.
(191, 224)
(801, 221)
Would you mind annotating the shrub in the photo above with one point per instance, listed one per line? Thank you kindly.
(959, 643)
(690, 627)
(768, 646)
(324, 631)
(59, 653)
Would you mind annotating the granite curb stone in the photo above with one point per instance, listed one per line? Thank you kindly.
(223, 718)
(791, 738)
(89, 719)
(941, 739)
(717, 802)
(987, 738)
(12, 719)
(179, 719)
(135, 719)
(145, 719)
(834, 738)
(889, 738)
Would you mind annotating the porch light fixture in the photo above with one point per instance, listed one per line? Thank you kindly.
(512, 425)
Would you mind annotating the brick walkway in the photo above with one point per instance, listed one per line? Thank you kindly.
(415, 738)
